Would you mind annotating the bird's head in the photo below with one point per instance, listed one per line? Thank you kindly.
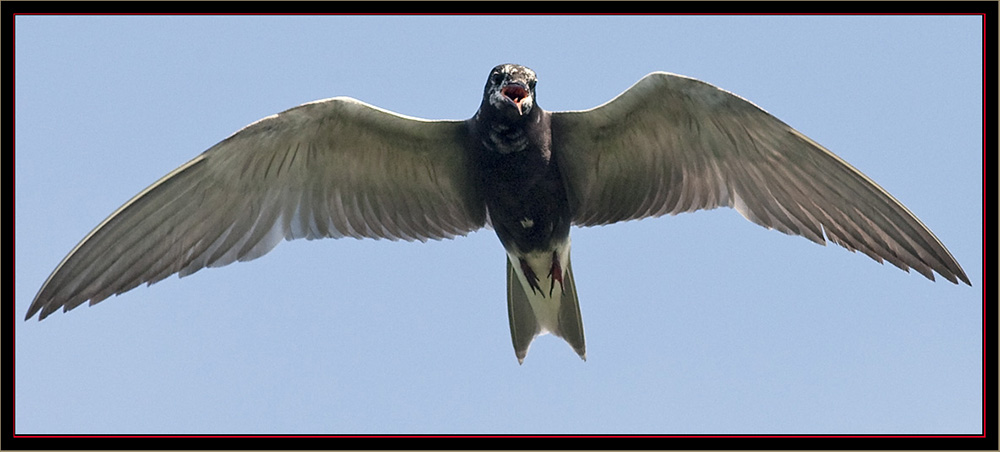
(510, 90)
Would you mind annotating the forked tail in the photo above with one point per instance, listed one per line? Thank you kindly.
(543, 304)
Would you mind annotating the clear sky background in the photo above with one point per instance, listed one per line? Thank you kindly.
(697, 323)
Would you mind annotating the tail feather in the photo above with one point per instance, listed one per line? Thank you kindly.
(570, 321)
(525, 324)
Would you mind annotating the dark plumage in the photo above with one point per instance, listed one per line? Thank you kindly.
(339, 167)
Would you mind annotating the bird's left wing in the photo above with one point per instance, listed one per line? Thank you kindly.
(672, 144)
(331, 168)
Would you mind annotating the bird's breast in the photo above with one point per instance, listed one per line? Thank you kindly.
(526, 199)
(503, 139)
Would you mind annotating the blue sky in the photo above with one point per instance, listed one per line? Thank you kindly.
(697, 323)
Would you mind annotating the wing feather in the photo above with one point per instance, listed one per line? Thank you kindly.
(331, 168)
(672, 144)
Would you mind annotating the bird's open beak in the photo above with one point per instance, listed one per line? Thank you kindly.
(516, 93)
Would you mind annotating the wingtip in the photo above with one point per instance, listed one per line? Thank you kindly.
(31, 313)
(955, 277)
(960, 274)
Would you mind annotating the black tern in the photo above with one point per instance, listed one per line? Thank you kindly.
(342, 168)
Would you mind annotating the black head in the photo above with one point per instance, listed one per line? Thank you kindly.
(510, 90)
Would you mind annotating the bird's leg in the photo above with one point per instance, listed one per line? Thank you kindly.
(556, 273)
(529, 275)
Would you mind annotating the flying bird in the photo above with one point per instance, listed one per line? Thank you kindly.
(342, 168)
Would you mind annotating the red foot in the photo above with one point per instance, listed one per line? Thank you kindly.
(529, 274)
(556, 273)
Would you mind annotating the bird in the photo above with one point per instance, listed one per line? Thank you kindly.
(339, 167)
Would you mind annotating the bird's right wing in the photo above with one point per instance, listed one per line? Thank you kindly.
(330, 168)
(672, 144)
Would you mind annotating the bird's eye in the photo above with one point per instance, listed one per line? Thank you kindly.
(496, 77)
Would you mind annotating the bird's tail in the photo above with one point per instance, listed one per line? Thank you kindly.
(545, 305)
